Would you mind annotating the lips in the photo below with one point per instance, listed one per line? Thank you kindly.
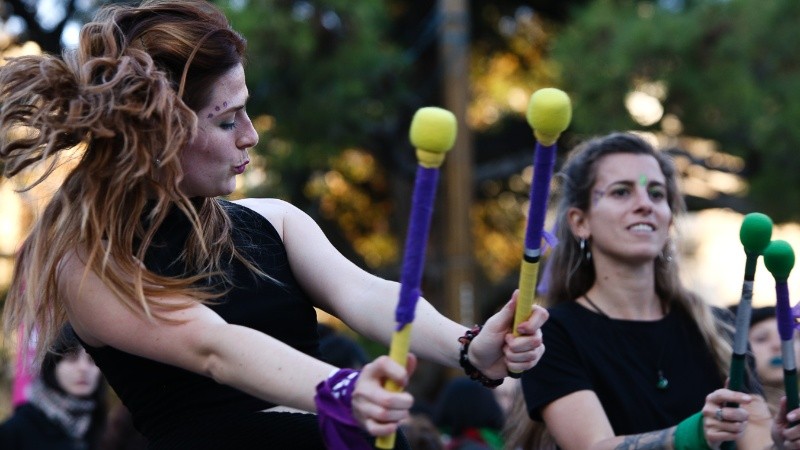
(240, 169)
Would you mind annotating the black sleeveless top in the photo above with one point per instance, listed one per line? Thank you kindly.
(169, 404)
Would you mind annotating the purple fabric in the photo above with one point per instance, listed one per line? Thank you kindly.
(416, 241)
(783, 311)
(543, 163)
(544, 282)
(796, 316)
(550, 240)
(340, 430)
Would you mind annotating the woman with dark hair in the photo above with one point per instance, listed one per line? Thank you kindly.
(765, 342)
(200, 311)
(634, 359)
(66, 405)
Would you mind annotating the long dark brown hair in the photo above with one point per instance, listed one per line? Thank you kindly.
(126, 98)
(571, 275)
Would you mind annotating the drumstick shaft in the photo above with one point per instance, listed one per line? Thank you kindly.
(411, 276)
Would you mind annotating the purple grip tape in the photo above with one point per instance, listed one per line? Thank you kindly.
(416, 242)
(543, 162)
(783, 311)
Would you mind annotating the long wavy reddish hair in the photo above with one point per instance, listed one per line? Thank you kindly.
(127, 97)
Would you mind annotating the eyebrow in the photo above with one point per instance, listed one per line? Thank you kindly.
(633, 183)
(596, 193)
(218, 111)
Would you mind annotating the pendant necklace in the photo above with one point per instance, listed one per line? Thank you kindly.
(662, 382)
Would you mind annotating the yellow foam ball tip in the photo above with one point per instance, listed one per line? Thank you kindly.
(549, 114)
(433, 129)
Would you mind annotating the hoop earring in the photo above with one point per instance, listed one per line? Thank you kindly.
(667, 252)
(585, 252)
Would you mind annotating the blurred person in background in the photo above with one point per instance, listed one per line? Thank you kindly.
(339, 350)
(65, 409)
(468, 416)
(765, 342)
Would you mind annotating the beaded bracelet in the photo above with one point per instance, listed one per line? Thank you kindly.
(469, 369)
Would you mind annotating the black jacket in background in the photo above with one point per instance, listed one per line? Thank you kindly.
(29, 429)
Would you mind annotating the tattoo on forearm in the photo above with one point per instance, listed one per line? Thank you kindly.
(655, 440)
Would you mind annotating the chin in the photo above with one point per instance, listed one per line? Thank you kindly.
(81, 393)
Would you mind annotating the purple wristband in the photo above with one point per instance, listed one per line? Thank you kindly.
(340, 430)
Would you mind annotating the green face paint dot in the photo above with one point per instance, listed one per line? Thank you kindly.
(642, 180)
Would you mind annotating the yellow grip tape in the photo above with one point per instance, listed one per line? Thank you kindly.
(528, 274)
(398, 351)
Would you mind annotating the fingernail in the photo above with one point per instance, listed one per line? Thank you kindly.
(791, 416)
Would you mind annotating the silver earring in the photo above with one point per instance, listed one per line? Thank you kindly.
(157, 162)
(585, 252)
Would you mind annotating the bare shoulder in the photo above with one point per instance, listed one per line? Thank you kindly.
(74, 280)
(273, 209)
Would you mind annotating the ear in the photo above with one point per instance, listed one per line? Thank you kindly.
(578, 223)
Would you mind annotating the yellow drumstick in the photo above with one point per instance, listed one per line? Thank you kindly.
(549, 114)
(433, 133)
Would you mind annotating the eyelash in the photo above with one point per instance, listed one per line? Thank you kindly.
(656, 194)
(228, 126)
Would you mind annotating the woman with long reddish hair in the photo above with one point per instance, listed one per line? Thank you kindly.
(199, 311)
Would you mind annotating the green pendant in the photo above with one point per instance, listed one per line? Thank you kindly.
(663, 383)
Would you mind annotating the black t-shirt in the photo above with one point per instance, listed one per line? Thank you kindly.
(30, 429)
(620, 360)
(187, 410)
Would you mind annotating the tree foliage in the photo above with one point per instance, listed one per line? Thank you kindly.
(324, 70)
(727, 70)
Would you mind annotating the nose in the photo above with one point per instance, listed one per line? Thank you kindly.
(644, 204)
(775, 342)
(248, 137)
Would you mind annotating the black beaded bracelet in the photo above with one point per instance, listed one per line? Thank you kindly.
(469, 369)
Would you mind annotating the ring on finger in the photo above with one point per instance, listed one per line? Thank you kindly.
(718, 415)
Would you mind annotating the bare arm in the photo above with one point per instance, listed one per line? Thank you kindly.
(577, 422)
(367, 303)
(205, 344)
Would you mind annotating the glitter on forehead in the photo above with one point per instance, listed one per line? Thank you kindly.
(642, 180)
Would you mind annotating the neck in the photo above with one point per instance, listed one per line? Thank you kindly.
(621, 296)
(625, 292)
(773, 396)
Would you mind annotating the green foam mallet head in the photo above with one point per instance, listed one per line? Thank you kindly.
(779, 259)
(755, 233)
(549, 114)
(433, 133)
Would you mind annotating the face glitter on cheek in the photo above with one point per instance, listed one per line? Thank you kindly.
(597, 194)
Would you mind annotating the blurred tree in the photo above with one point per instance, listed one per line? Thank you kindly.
(716, 70)
(48, 23)
(326, 74)
(329, 96)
